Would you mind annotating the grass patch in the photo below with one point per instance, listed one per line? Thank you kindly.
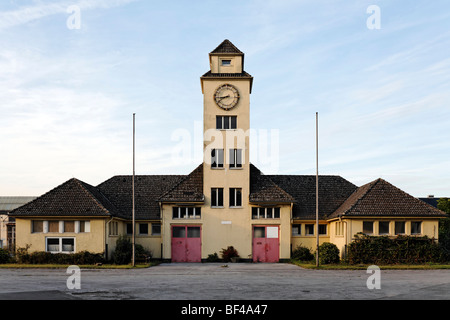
(344, 266)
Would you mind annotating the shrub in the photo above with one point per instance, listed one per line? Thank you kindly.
(229, 253)
(213, 257)
(328, 253)
(402, 249)
(4, 256)
(302, 254)
(124, 250)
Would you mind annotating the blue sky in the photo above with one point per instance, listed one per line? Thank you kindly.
(67, 95)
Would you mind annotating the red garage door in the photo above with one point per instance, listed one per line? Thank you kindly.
(186, 244)
(266, 244)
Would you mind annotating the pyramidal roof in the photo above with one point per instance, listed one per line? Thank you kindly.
(227, 47)
(380, 198)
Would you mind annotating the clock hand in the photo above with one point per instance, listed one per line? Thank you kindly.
(223, 97)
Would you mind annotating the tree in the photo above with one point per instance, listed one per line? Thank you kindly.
(444, 226)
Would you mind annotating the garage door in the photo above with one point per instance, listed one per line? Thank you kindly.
(186, 244)
(266, 246)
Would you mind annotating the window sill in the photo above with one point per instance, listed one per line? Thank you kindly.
(236, 207)
(217, 168)
(217, 207)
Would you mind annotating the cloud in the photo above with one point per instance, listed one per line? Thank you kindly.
(27, 14)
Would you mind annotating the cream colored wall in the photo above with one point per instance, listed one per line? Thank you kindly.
(216, 65)
(149, 242)
(227, 227)
(309, 241)
(93, 241)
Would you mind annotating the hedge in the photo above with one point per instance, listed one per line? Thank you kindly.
(402, 249)
(42, 257)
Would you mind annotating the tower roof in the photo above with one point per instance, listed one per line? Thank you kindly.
(226, 47)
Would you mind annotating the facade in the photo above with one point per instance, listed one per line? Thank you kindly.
(225, 201)
(7, 223)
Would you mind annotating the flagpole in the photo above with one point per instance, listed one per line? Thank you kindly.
(133, 204)
(317, 188)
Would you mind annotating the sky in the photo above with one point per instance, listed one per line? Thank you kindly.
(72, 73)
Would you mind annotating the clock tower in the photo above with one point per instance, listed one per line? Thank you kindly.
(226, 89)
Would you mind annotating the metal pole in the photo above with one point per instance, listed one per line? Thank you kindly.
(317, 188)
(133, 213)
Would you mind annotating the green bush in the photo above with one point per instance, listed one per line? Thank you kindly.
(402, 249)
(124, 250)
(328, 253)
(302, 254)
(43, 257)
(4, 256)
(228, 253)
(213, 257)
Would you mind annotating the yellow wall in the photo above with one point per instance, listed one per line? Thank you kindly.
(228, 227)
(92, 241)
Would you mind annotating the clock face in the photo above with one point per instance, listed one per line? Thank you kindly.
(226, 96)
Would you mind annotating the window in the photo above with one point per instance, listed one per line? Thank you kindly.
(235, 158)
(339, 226)
(193, 232)
(186, 212)
(259, 232)
(216, 197)
(156, 229)
(296, 229)
(416, 227)
(69, 226)
(85, 226)
(129, 228)
(368, 227)
(235, 197)
(113, 228)
(143, 228)
(226, 122)
(217, 158)
(383, 227)
(309, 229)
(53, 226)
(399, 227)
(64, 245)
(322, 229)
(226, 63)
(265, 213)
(37, 226)
(179, 232)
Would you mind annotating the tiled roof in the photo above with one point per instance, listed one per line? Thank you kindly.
(264, 190)
(380, 198)
(148, 189)
(226, 47)
(190, 189)
(72, 198)
(243, 75)
(333, 191)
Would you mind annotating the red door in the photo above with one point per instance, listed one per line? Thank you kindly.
(266, 244)
(186, 244)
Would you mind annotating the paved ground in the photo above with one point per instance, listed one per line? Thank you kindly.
(213, 281)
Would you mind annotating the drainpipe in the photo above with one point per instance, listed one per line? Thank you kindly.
(106, 237)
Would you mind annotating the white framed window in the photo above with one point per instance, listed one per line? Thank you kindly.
(186, 212)
(217, 197)
(60, 245)
(226, 122)
(235, 158)
(265, 213)
(235, 197)
(217, 158)
(37, 226)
